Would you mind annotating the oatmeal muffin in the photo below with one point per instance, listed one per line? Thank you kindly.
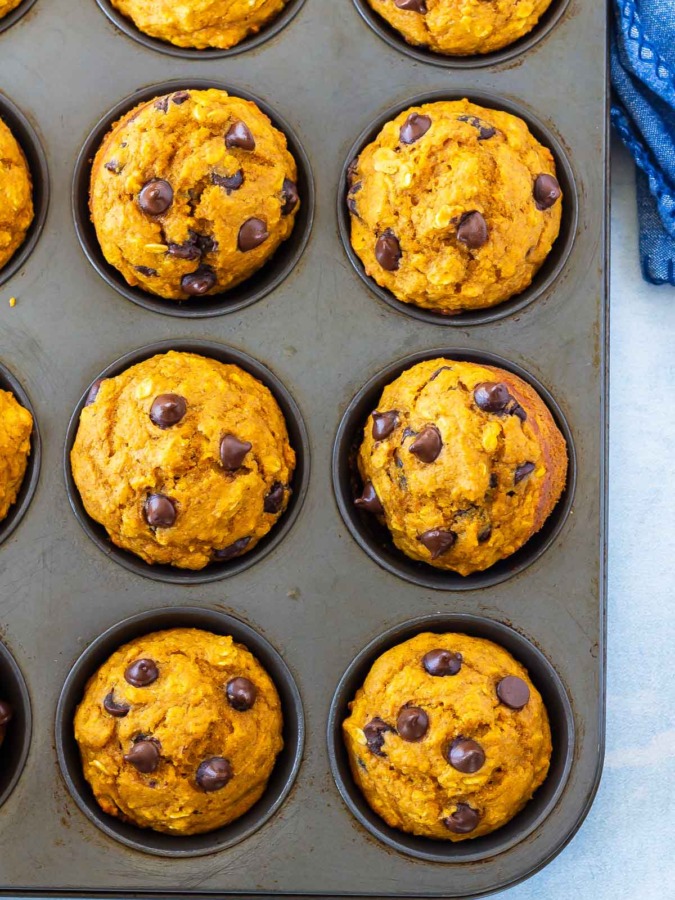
(16, 427)
(448, 738)
(16, 193)
(463, 462)
(454, 207)
(179, 731)
(192, 193)
(184, 460)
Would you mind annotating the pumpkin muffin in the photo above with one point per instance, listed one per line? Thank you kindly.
(184, 460)
(191, 193)
(448, 738)
(463, 462)
(6, 6)
(454, 207)
(16, 193)
(179, 731)
(461, 27)
(16, 427)
(201, 23)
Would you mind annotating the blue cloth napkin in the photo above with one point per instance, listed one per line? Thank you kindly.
(643, 113)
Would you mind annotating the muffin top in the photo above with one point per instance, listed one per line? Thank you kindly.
(184, 460)
(448, 738)
(179, 731)
(200, 23)
(454, 207)
(16, 427)
(462, 27)
(192, 192)
(16, 194)
(464, 463)
(6, 6)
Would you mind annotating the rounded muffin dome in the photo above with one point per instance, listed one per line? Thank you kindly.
(16, 193)
(16, 427)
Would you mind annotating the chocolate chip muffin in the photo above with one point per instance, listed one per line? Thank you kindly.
(16, 427)
(16, 192)
(463, 462)
(201, 23)
(454, 207)
(179, 731)
(6, 716)
(448, 738)
(192, 193)
(184, 460)
(6, 6)
(461, 27)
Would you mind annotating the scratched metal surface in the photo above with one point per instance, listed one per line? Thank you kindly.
(317, 597)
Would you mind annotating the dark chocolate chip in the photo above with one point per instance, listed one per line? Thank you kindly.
(441, 663)
(145, 270)
(485, 132)
(180, 97)
(252, 234)
(155, 197)
(546, 191)
(233, 452)
(438, 372)
(141, 673)
(523, 471)
(408, 432)
(418, 6)
(388, 251)
(384, 423)
(275, 499)
(239, 136)
(492, 397)
(188, 250)
(414, 128)
(466, 756)
(427, 445)
(438, 541)
(412, 723)
(485, 534)
(494, 480)
(144, 757)
(241, 694)
(198, 282)
(233, 550)
(289, 197)
(93, 391)
(214, 774)
(162, 104)
(113, 166)
(229, 182)
(6, 713)
(513, 692)
(351, 170)
(374, 733)
(204, 242)
(168, 410)
(118, 710)
(463, 821)
(515, 409)
(369, 501)
(351, 197)
(472, 230)
(160, 511)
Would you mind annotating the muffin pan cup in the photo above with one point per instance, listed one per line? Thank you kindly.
(315, 594)
(16, 745)
(13, 17)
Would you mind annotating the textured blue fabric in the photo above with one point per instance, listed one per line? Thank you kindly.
(643, 113)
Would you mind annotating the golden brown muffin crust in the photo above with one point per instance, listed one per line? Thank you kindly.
(16, 427)
(16, 195)
(6, 6)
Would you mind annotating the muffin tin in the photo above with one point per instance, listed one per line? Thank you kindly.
(315, 595)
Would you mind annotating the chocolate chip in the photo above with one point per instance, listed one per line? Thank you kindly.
(162, 104)
(546, 191)
(145, 270)
(418, 6)
(93, 391)
(492, 397)
(466, 756)
(384, 423)
(523, 471)
(472, 230)
(485, 534)
(160, 511)
(412, 723)
(369, 501)
(188, 250)
(513, 692)
(351, 197)
(118, 710)
(275, 499)
(180, 97)
(438, 372)
(229, 182)
(204, 242)
(438, 541)
(198, 282)
(414, 128)
(6, 713)
(233, 452)
(374, 733)
(485, 132)
(141, 673)
(241, 694)
(155, 197)
(441, 663)
(252, 234)
(494, 480)
(463, 821)
(515, 409)
(144, 757)
(233, 550)
(239, 136)
(289, 197)
(214, 774)
(388, 251)
(427, 445)
(351, 170)
(113, 166)
(168, 410)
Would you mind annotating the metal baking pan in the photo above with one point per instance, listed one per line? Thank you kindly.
(327, 594)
